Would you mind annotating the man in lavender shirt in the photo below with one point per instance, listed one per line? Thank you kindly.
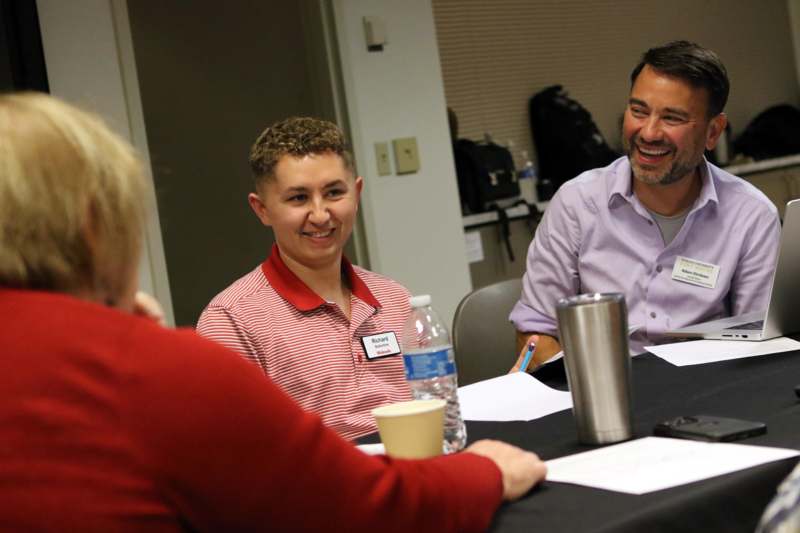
(637, 225)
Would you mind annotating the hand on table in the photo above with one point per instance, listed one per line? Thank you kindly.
(520, 469)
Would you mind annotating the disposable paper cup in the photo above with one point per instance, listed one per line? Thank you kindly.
(411, 430)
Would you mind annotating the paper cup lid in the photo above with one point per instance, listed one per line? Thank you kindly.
(408, 408)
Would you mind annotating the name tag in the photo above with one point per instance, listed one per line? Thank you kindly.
(380, 345)
(695, 272)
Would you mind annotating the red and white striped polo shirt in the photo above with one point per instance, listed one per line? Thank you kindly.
(308, 346)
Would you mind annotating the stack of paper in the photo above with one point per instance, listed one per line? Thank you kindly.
(515, 396)
(656, 463)
(711, 351)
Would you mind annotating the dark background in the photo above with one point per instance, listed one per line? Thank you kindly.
(21, 57)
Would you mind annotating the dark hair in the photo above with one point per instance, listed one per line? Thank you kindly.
(296, 136)
(698, 66)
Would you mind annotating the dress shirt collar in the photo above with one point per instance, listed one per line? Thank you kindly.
(621, 186)
(293, 290)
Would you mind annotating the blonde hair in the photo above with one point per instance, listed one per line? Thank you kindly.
(71, 199)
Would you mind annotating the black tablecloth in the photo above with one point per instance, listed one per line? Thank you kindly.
(757, 388)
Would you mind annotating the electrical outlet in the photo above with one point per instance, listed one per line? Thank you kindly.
(406, 155)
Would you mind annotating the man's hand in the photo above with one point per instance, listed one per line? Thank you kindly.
(148, 307)
(520, 469)
(546, 347)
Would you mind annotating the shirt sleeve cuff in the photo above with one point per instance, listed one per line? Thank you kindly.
(527, 319)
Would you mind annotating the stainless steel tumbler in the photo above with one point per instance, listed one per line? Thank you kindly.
(593, 329)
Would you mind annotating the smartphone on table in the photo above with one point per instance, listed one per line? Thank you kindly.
(709, 428)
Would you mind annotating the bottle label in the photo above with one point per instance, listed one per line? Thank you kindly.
(434, 364)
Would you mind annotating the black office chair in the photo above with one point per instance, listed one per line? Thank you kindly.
(483, 339)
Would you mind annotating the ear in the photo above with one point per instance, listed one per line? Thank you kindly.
(359, 187)
(258, 207)
(715, 128)
(359, 184)
(106, 282)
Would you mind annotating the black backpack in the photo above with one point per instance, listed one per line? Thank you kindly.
(485, 173)
(774, 132)
(566, 138)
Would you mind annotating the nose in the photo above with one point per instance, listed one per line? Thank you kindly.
(319, 214)
(651, 129)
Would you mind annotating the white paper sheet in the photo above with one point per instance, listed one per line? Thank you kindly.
(474, 246)
(656, 463)
(515, 396)
(556, 357)
(710, 351)
(372, 449)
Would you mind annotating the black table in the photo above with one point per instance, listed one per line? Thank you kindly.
(757, 388)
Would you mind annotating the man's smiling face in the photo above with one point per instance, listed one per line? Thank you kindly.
(666, 127)
(311, 205)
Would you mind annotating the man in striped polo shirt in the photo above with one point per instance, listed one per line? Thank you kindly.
(324, 330)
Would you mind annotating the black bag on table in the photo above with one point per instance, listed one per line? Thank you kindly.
(566, 138)
(486, 175)
(775, 132)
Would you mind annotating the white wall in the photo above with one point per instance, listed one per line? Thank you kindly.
(89, 59)
(412, 222)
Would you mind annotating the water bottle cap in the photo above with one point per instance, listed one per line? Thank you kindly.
(422, 300)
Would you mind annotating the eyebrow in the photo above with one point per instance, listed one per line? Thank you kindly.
(671, 110)
(334, 183)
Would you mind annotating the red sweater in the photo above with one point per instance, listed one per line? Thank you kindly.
(109, 422)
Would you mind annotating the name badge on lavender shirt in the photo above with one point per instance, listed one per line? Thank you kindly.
(695, 272)
(380, 345)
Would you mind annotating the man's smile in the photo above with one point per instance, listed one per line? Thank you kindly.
(651, 154)
(318, 234)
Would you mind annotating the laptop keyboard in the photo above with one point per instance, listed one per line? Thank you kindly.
(758, 324)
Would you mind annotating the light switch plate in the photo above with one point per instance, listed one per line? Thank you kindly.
(382, 159)
(406, 155)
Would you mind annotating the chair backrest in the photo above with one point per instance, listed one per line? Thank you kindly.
(483, 339)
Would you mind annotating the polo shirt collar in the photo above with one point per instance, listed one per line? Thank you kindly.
(621, 185)
(293, 290)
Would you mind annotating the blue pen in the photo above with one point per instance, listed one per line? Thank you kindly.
(528, 355)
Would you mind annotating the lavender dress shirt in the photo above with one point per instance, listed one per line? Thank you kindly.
(597, 237)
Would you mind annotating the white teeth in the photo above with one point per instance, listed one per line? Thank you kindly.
(653, 152)
(318, 234)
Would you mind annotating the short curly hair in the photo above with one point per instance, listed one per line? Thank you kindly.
(296, 136)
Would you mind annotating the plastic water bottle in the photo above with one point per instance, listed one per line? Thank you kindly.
(431, 368)
(527, 179)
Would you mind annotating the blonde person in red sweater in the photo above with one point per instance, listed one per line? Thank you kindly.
(111, 422)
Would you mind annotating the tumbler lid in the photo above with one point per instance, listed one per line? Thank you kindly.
(591, 298)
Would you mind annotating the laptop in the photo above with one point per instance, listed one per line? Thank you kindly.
(783, 310)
